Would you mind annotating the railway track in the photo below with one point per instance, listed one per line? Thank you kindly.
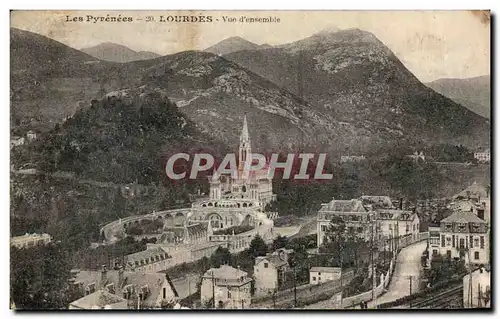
(443, 299)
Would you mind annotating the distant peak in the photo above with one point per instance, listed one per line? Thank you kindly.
(327, 30)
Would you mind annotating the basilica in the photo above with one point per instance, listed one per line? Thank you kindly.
(238, 196)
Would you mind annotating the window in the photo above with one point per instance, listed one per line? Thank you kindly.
(164, 293)
(228, 294)
(482, 242)
(471, 244)
(453, 240)
(266, 265)
(319, 278)
(476, 255)
(443, 241)
(462, 243)
(319, 274)
(434, 252)
(314, 278)
(448, 254)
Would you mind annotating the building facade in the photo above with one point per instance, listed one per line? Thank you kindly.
(461, 235)
(270, 271)
(318, 275)
(483, 156)
(30, 240)
(226, 288)
(358, 220)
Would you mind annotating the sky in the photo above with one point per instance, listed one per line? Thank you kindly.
(431, 44)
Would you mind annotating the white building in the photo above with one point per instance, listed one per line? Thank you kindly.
(370, 215)
(30, 240)
(483, 157)
(477, 289)
(461, 235)
(16, 141)
(318, 275)
(270, 271)
(31, 136)
(257, 186)
(228, 287)
(358, 219)
(396, 227)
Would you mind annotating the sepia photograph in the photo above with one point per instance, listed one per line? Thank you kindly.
(250, 160)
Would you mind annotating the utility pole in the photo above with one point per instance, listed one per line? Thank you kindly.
(374, 276)
(213, 290)
(294, 288)
(410, 277)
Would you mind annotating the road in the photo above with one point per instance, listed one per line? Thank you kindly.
(408, 264)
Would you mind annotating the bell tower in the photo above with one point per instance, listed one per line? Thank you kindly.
(245, 148)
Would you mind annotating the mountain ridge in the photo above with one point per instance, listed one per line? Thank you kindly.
(473, 93)
(113, 52)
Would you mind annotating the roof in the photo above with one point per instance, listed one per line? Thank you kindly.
(325, 269)
(273, 259)
(99, 298)
(394, 214)
(463, 217)
(225, 272)
(147, 254)
(353, 205)
(197, 228)
(475, 189)
(377, 201)
(154, 281)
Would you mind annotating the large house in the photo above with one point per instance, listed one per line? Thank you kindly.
(226, 288)
(397, 227)
(359, 221)
(30, 240)
(370, 216)
(461, 235)
(119, 289)
(483, 156)
(270, 271)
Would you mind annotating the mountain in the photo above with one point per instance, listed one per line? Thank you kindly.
(353, 78)
(49, 80)
(473, 93)
(118, 53)
(348, 95)
(234, 44)
(216, 94)
(120, 140)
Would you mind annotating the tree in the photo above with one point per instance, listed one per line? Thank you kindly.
(258, 247)
(39, 277)
(280, 242)
(221, 256)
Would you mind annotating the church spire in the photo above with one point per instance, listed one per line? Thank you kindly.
(244, 137)
(245, 148)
